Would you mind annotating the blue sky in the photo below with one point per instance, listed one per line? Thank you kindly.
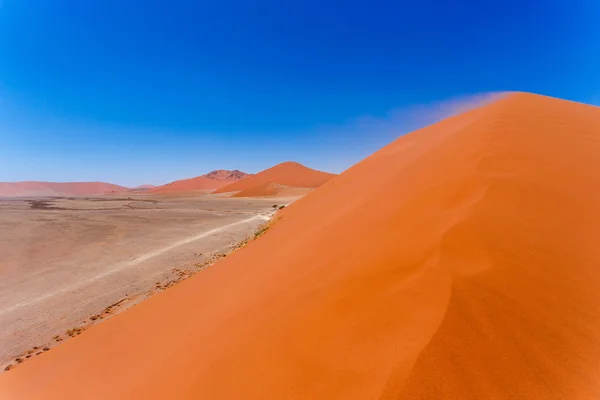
(136, 92)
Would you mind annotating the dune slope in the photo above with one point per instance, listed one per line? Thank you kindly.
(212, 180)
(458, 262)
(288, 173)
(32, 188)
(273, 190)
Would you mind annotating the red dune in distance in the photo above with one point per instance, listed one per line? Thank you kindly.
(458, 262)
(212, 180)
(24, 189)
(270, 189)
(290, 174)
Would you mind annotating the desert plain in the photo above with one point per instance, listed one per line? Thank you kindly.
(68, 262)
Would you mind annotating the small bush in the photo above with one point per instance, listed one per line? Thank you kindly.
(275, 206)
(281, 207)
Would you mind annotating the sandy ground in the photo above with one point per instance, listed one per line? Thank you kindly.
(66, 259)
(458, 262)
(291, 174)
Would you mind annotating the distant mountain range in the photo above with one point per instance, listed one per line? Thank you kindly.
(269, 182)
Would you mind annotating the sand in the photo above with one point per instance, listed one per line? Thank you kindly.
(207, 182)
(14, 189)
(273, 190)
(458, 262)
(67, 259)
(265, 183)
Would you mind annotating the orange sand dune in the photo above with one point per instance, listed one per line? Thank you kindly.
(57, 188)
(459, 262)
(269, 189)
(212, 180)
(288, 173)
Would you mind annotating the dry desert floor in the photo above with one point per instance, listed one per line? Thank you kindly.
(69, 262)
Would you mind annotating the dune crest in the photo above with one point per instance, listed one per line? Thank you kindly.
(210, 181)
(272, 181)
(460, 261)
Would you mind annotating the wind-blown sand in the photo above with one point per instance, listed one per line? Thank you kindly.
(270, 182)
(459, 262)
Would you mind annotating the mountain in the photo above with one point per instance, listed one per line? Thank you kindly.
(224, 174)
(141, 189)
(290, 174)
(212, 180)
(458, 262)
(24, 189)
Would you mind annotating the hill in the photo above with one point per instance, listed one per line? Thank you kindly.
(226, 175)
(25, 189)
(458, 262)
(290, 174)
(212, 180)
(269, 189)
(141, 189)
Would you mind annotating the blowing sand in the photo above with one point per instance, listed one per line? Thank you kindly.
(459, 262)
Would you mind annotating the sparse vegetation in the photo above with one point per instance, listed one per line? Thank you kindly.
(79, 323)
(281, 207)
(71, 332)
(261, 230)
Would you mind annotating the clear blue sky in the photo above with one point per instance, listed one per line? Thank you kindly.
(136, 92)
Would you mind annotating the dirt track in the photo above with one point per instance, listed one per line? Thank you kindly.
(66, 259)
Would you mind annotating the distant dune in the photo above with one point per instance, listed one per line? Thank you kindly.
(459, 262)
(270, 189)
(269, 181)
(212, 180)
(24, 189)
(141, 189)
